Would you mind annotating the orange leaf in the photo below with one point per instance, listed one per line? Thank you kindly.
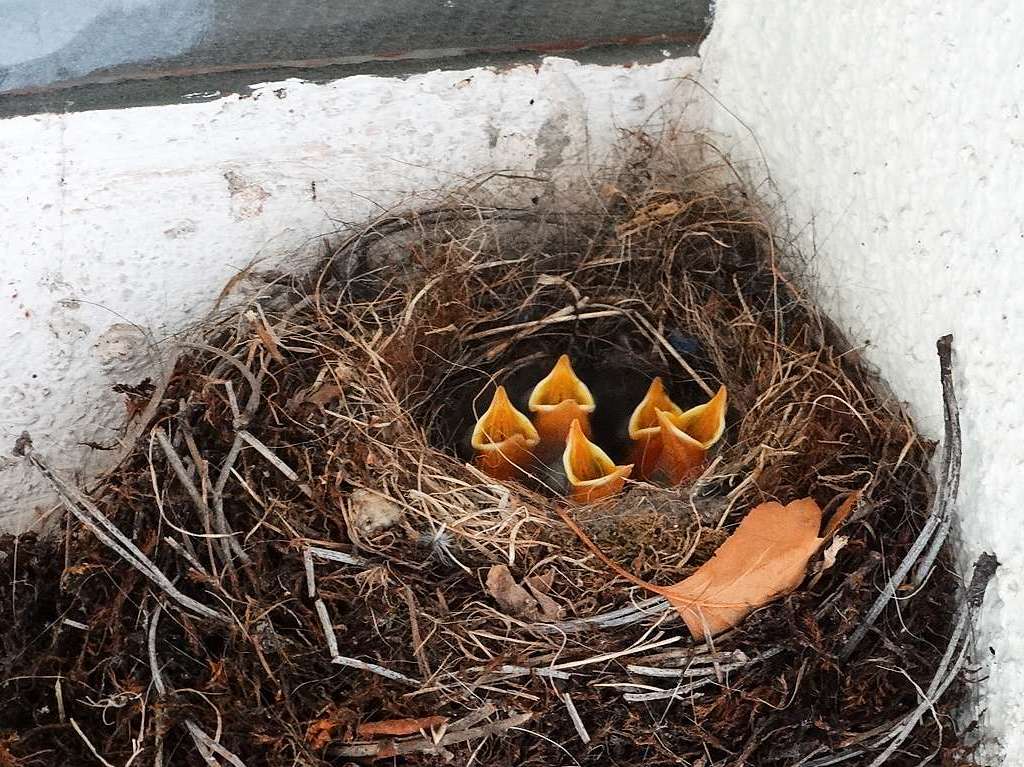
(765, 558)
(320, 733)
(392, 728)
(841, 514)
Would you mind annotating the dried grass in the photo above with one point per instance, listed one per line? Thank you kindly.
(303, 478)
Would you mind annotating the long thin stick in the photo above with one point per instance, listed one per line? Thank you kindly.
(940, 509)
(949, 482)
(984, 569)
(89, 515)
(174, 461)
(207, 747)
(428, 745)
(373, 668)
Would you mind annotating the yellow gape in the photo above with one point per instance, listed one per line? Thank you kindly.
(671, 443)
(559, 399)
(504, 439)
(592, 475)
(644, 429)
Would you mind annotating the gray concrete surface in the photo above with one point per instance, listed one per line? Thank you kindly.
(66, 54)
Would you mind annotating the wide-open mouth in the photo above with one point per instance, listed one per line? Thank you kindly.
(539, 401)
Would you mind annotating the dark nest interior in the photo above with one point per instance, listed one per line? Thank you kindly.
(290, 566)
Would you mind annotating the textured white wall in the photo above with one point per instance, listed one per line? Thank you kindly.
(120, 227)
(894, 136)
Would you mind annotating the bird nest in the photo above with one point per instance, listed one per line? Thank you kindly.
(299, 562)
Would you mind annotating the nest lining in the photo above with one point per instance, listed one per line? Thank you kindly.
(304, 477)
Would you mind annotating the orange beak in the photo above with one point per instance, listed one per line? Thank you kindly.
(686, 437)
(558, 400)
(644, 429)
(591, 473)
(503, 439)
(675, 446)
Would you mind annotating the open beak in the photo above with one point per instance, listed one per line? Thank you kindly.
(503, 439)
(591, 473)
(705, 423)
(685, 438)
(644, 429)
(556, 402)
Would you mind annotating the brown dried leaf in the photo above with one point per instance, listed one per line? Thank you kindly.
(320, 733)
(512, 597)
(763, 559)
(393, 728)
(841, 514)
(266, 336)
(324, 395)
(541, 583)
(539, 586)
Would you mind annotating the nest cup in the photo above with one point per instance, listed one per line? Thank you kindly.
(304, 473)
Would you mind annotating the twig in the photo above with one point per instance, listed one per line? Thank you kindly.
(949, 482)
(337, 556)
(307, 563)
(689, 672)
(207, 747)
(276, 462)
(59, 694)
(613, 655)
(186, 555)
(325, 623)
(414, 630)
(940, 509)
(217, 500)
(154, 665)
(90, 516)
(703, 676)
(210, 523)
(984, 569)
(554, 319)
(427, 745)
(253, 381)
(373, 668)
(574, 716)
(646, 324)
(511, 672)
(623, 616)
(161, 688)
(88, 743)
(472, 718)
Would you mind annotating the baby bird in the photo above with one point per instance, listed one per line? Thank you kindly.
(645, 428)
(590, 473)
(556, 402)
(504, 439)
(671, 443)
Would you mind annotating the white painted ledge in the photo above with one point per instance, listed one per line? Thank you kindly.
(120, 227)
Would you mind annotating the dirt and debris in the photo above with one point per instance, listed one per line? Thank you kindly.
(295, 564)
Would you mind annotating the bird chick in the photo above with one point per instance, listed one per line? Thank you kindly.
(670, 443)
(591, 474)
(645, 429)
(504, 439)
(556, 402)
